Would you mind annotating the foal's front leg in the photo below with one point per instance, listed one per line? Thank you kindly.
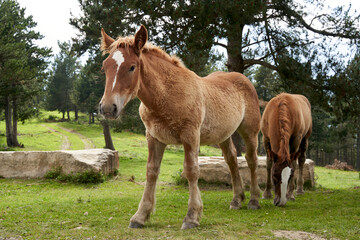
(192, 172)
(147, 204)
(269, 162)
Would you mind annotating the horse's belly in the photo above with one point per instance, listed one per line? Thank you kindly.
(214, 132)
(163, 134)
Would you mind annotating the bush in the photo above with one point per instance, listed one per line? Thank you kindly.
(79, 178)
(54, 173)
(178, 179)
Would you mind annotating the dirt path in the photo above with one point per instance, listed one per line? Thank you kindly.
(297, 235)
(88, 143)
(65, 140)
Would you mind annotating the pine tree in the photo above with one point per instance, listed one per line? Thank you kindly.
(61, 82)
(22, 67)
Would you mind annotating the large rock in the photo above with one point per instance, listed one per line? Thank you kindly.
(215, 170)
(35, 164)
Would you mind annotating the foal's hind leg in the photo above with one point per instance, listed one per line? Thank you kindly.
(229, 152)
(147, 203)
(251, 141)
(302, 157)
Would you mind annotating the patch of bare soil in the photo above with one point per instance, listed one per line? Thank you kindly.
(297, 235)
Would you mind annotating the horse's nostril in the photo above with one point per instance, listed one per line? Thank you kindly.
(115, 108)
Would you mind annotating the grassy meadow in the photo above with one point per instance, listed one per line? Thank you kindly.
(48, 209)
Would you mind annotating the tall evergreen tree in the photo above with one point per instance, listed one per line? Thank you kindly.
(91, 86)
(62, 80)
(22, 67)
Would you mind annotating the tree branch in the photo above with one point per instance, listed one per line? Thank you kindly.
(221, 44)
(297, 16)
(249, 62)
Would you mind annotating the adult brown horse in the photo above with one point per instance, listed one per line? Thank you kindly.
(179, 107)
(286, 123)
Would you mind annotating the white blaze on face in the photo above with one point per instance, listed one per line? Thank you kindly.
(120, 101)
(285, 175)
(119, 59)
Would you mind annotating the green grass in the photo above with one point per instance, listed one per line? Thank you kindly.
(34, 136)
(336, 179)
(48, 209)
(37, 208)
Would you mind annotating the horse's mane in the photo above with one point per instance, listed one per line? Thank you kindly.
(284, 127)
(128, 42)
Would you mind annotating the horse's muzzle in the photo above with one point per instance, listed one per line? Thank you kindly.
(109, 111)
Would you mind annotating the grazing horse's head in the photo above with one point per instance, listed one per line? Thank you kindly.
(122, 71)
(282, 174)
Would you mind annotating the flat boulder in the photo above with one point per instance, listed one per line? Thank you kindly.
(35, 164)
(215, 170)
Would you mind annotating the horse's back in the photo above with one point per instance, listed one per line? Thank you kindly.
(230, 100)
(298, 111)
(233, 83)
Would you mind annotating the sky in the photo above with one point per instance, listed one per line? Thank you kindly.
(52, 17)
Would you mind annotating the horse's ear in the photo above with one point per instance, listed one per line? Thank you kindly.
(106, 41)
(141, 37)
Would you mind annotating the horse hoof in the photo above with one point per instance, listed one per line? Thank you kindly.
(299, 192)
(232, 207)
(189, 225)
(291, 199)
(235, 205)
(267, 196)
(253, 205)
(135, 225)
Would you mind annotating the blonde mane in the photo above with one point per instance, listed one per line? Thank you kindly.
(128, 42)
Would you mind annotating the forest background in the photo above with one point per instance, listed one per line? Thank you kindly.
(282, 46)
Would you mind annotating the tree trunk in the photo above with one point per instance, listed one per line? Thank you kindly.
(15, 141)
(76, 113)
(358, 146)
(63, 113)
(345, 151)
(68, 114)
(236, 64)
(8, 122)
(108, 140)
(92, 118)
(11, 123)
(89, 118)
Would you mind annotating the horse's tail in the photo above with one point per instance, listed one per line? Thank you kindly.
(284, 125)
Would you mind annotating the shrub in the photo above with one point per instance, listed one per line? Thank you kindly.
(178, 179)
(79, 178)
(54, 173)
(51, 118)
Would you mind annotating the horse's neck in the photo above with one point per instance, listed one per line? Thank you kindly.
(152, 86)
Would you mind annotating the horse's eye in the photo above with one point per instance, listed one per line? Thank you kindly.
(132, 68)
